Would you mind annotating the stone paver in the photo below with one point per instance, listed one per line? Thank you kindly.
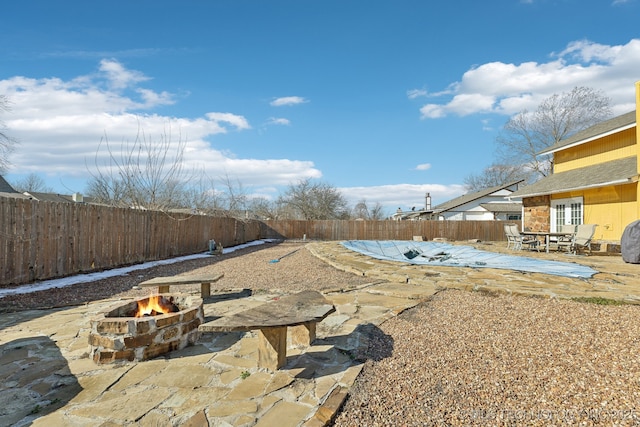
(49, 380)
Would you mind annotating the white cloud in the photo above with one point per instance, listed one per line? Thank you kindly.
(486, 125)
(423, 167)
(154, 98)
(118, 76)
(60, 124)
(278, 121)
(416, 93)
(504, 88)
(101, 92)
(288, 100)
(432, 111)
(237, 121)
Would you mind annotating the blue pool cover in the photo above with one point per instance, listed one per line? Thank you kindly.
(444, 254)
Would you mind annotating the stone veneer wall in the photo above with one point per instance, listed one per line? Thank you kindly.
(122, 339)
(537, 213)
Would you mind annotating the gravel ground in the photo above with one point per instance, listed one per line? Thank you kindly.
(475, 359)
(461, 358)
(248, 268)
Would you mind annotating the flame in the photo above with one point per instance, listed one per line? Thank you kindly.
(155, 304)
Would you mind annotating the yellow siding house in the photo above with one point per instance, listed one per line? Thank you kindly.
(594, 180)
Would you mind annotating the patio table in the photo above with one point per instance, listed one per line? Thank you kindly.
(547, 236)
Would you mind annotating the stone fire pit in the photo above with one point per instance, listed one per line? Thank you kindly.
(117, 336)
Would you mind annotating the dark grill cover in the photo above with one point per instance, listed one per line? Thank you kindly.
(630, 243)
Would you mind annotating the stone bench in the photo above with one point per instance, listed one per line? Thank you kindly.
(163, 283)
(298, 312)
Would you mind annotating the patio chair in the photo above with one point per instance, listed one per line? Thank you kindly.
(520, 240)
(569, 230)
(581, 239)
(511, 238)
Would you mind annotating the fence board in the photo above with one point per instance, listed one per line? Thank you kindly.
(43, 240)
(383, 230)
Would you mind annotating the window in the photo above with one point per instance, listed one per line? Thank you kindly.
(566, 211)
(576, 213)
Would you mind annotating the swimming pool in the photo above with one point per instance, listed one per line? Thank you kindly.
(445, 254)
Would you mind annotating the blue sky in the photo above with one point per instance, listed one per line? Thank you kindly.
(385, 100)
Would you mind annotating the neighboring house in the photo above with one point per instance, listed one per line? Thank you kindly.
(6, 190)
(413, 214)
(594, 180)
(489, 204)
(5, 187)
(59, 198)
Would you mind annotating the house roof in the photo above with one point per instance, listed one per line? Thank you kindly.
(49, 197)
(469, 197)
(14, 195)
(503, 207)
(5, 187)
(614, 125)
(53, 197)
(620, 171)
(6, 190)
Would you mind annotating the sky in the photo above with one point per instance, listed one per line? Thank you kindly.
(384, 100)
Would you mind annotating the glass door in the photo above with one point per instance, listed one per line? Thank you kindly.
(566, 212)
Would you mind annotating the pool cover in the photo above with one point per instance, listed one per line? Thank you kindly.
(444, 254)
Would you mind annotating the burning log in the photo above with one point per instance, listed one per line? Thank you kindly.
(156, 305)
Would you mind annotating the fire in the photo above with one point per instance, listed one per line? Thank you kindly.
(154, 305)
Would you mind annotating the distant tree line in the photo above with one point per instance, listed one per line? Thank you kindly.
(149, 174)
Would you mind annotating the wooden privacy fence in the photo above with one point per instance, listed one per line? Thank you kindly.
(383, 230)
(42, 240)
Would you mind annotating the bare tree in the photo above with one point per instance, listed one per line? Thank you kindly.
(146, 173)
(32, 183)
(364, 211)
(7, 143)
(556, 118)
(315, 201)
(233, 197)
(107, 190)
(264, 208)
(200, 195)
(495, 175)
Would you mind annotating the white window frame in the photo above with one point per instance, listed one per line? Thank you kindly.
(569, 211)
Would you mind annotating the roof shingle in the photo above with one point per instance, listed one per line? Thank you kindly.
(469, 197)
(601, 128)
(599, 175)
(5, 187)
